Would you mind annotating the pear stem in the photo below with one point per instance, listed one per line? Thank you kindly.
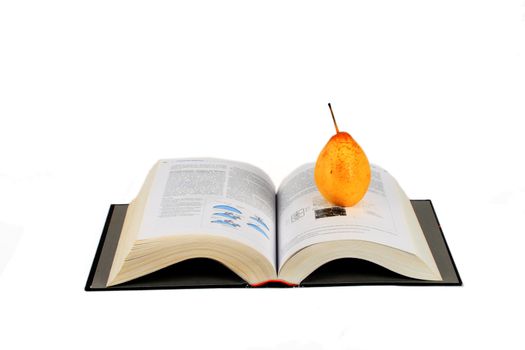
(333, 118)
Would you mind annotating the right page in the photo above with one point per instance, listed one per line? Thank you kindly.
(306, 218)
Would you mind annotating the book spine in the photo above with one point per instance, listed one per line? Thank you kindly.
(260, 284)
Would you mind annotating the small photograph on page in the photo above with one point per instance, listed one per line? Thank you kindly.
(329, 212)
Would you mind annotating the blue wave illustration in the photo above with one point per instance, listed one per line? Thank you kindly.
(258, 229)
(225, 222)
(227, 207)
(228, 215)
(260, 221)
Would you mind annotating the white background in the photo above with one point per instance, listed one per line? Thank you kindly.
(93, 93)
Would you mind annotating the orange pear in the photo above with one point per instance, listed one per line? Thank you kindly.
(342, 171)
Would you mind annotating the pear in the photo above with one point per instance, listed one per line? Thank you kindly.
(342, 171)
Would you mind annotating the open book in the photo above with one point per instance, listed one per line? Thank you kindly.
(231, 212)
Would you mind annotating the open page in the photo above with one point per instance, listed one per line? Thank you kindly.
(212, 196)
(306, 218)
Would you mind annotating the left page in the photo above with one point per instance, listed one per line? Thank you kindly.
(212, 196)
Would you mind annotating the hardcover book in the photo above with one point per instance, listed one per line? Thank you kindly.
(217, 223)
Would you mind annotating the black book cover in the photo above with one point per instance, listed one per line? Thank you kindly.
(207, 273)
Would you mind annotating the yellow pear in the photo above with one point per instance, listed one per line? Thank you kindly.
(342, 171)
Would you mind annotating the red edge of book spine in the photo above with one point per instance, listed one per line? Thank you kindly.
(270, 281)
